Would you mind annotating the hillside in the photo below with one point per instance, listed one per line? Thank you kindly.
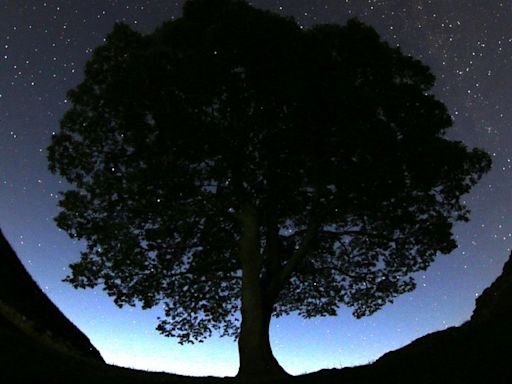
(24, 305)
(39, 345)
(477, 351)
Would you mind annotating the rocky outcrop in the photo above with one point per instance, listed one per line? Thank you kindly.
(25, 308)
(495, 302)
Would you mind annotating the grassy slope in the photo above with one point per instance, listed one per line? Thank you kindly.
(26, 305)
(478, 351)
(24, 359)
(458, 355)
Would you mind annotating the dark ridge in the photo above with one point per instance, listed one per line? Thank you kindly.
(495, 302)
(24, 305)
(476, 351)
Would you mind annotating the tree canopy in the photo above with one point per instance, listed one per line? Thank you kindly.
(232, 160)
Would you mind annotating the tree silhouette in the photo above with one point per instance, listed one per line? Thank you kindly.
(232, 161)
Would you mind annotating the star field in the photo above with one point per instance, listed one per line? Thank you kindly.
(468, 44)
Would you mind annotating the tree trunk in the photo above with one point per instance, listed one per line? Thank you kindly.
(256, 358)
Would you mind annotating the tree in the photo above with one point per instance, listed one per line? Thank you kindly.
(232, 161)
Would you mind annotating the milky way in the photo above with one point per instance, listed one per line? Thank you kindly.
(468, 44)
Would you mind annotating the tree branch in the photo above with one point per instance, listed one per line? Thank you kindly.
(299, 254)
(192, 272)
(339, 270)
(328, 233)
(272, 261)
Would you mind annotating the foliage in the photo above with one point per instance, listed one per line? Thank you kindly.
(327, 136)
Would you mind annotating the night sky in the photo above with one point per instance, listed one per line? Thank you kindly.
(467, 43)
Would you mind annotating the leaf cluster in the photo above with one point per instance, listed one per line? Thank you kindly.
(330, 134)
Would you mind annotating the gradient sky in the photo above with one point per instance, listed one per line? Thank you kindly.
(468, 44)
